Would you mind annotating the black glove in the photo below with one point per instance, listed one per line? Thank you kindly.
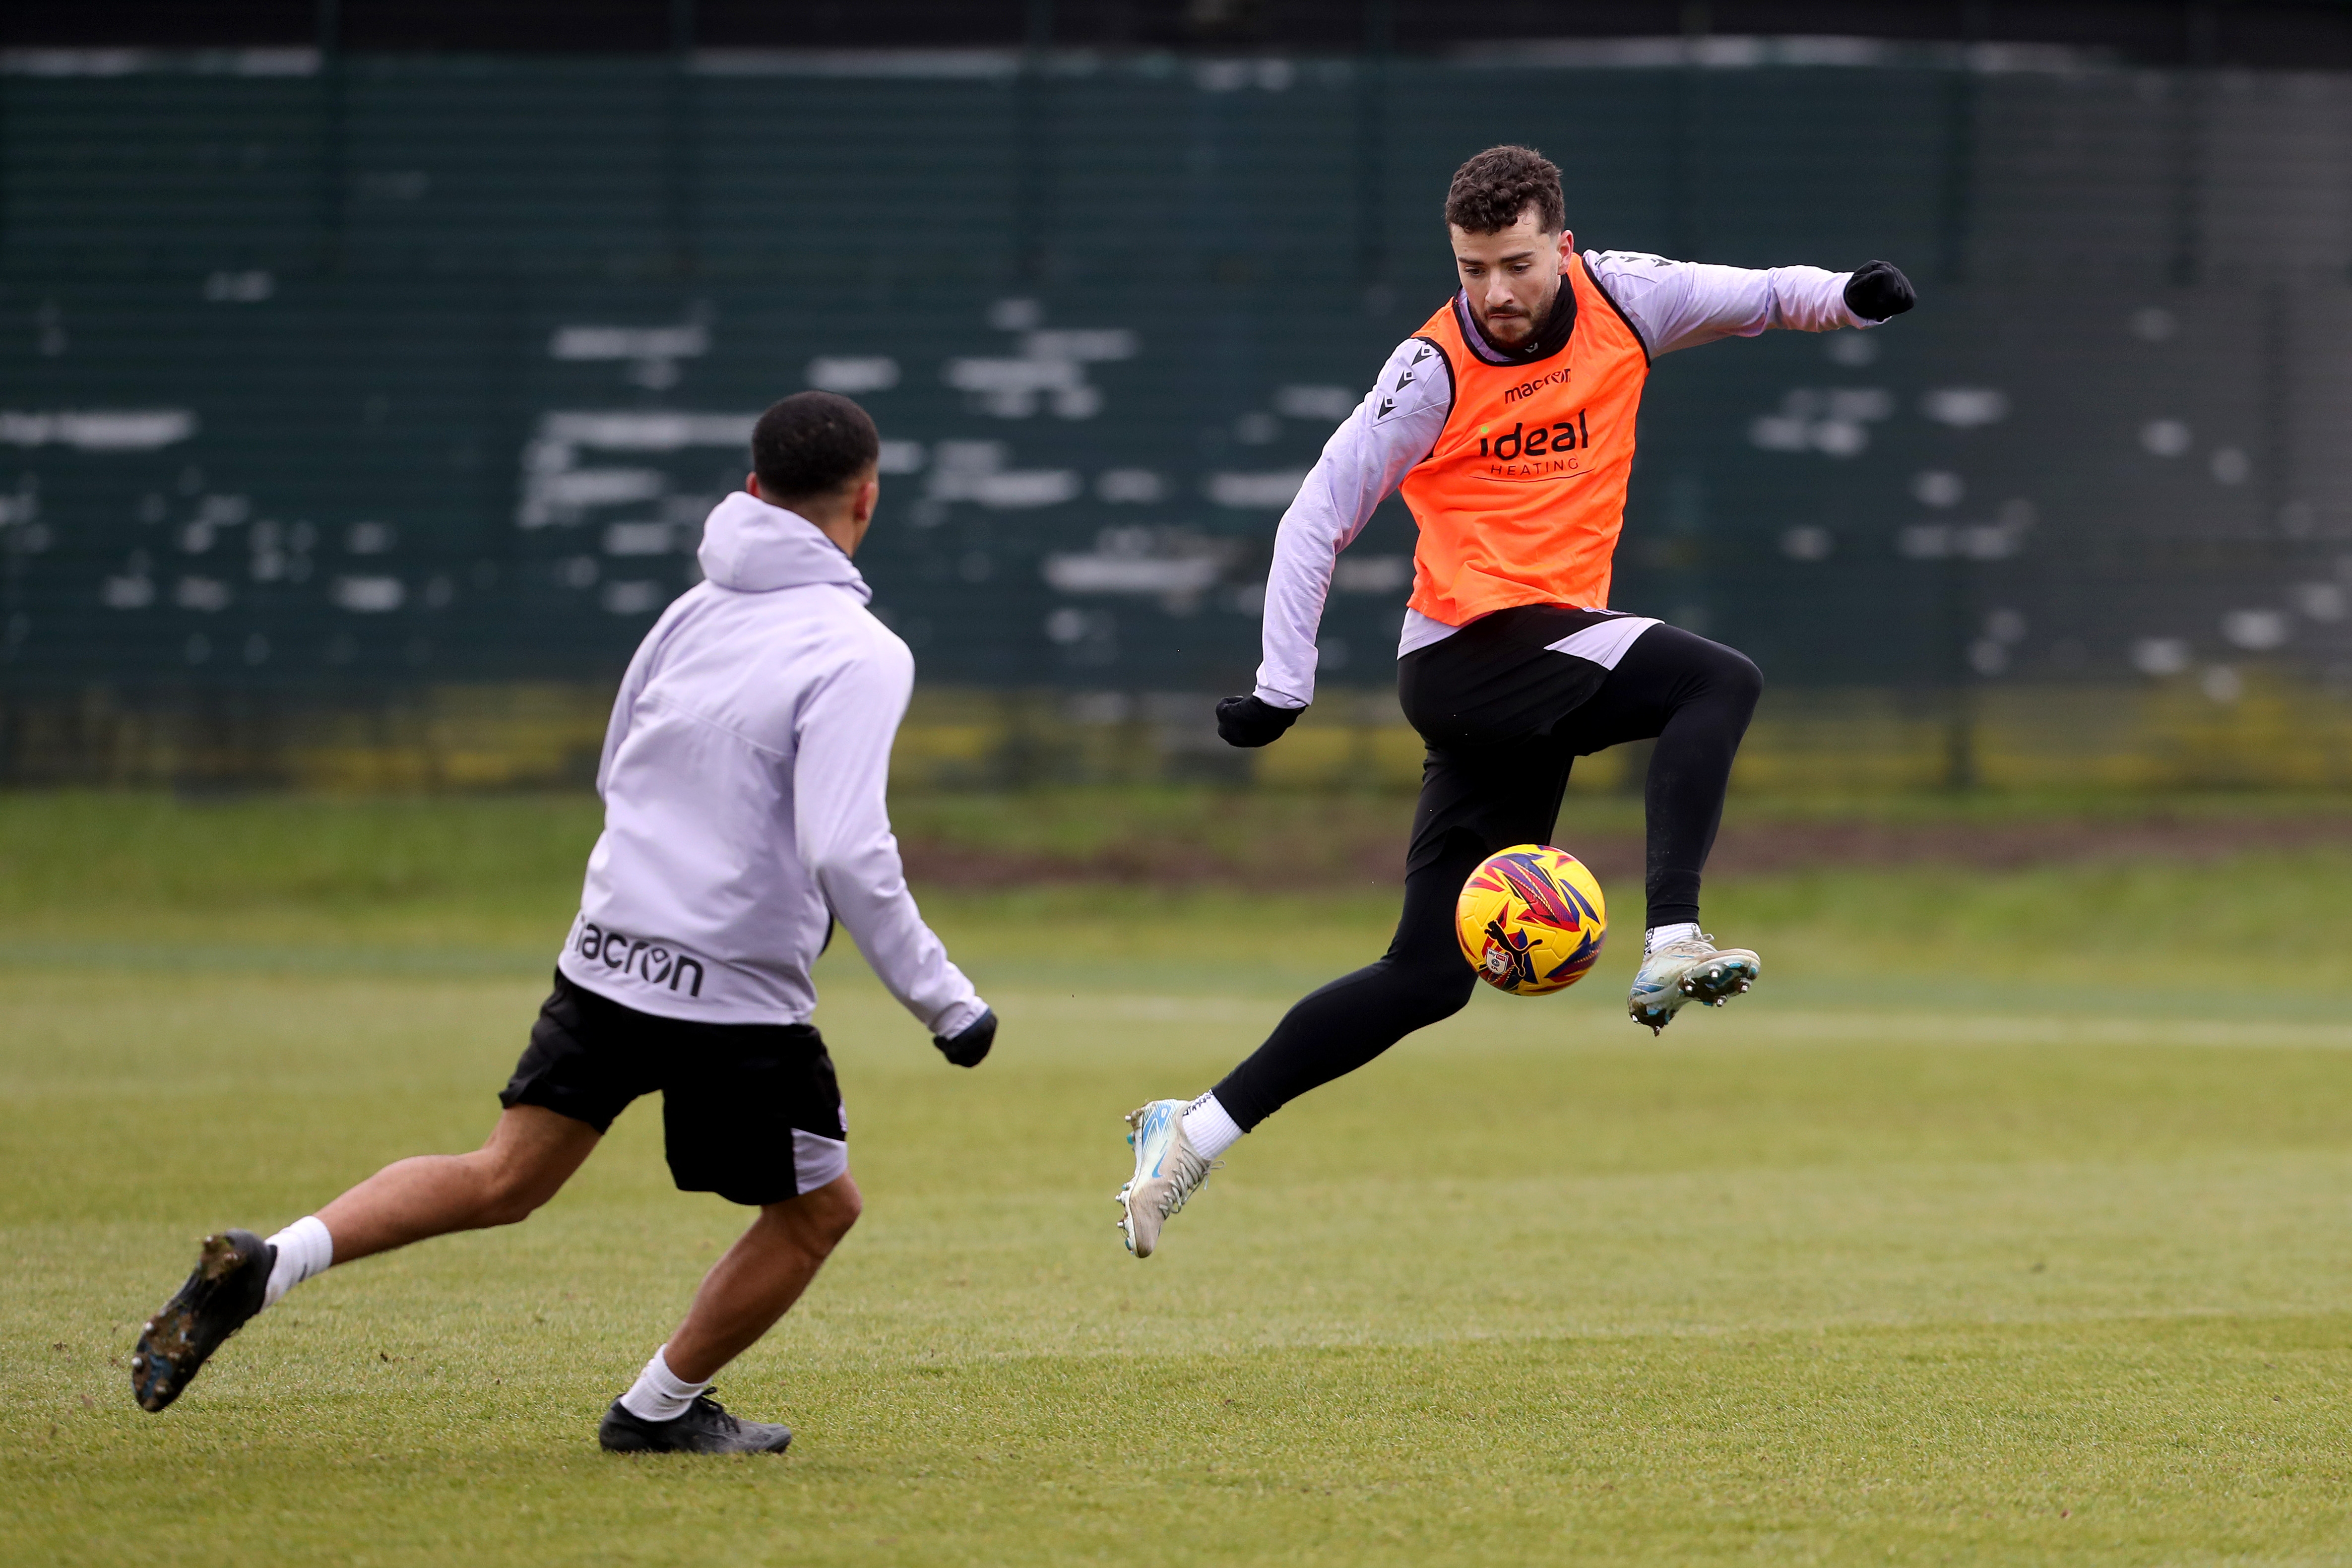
(967, 1049)
(1246, 721)
(1879, 292)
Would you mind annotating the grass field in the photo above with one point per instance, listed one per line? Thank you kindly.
(1926, 1252)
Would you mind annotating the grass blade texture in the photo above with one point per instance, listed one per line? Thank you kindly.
(2009, 1221)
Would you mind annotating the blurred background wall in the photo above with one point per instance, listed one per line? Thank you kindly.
(366, 370)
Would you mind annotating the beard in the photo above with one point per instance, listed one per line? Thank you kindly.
(1509, 331)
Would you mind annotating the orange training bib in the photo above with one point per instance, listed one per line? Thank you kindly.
(1521, 501)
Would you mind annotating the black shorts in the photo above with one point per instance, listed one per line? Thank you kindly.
(750, 1111)
(1506, 717)
(1499, 682)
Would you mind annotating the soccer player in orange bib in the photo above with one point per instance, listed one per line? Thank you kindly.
(1507, 423)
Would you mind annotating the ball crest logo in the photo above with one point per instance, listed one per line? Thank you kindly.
(1531, 920)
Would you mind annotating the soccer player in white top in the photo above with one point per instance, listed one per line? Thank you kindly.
(743, 785)
(1508, 422)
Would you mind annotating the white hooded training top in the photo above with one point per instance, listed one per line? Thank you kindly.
(743, 780)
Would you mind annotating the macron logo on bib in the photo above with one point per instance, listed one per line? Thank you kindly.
(1529, 389)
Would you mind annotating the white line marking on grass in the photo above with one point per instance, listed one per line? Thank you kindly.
(1927, 1026)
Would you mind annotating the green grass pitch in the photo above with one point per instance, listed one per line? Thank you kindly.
(2009, 1222)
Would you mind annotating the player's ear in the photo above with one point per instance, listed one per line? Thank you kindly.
(751, 487)
(1566, 246)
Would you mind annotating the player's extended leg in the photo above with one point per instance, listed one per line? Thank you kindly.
(1695, 698)
(1473, 803)
(531, 1154)
(740, 1299)
(761, 1277)
(752, 1113)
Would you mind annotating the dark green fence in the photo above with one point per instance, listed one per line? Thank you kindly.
(396, 371)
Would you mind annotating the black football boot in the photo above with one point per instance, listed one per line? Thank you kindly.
(231, 1273)
(705, 1428)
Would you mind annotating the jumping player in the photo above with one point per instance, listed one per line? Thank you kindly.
(742, 780)
(1507, 420)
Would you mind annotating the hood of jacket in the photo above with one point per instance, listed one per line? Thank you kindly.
(754, 547)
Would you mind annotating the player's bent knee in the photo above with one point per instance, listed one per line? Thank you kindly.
(826, 1214)
(508, 1196)
(1728, 675)
(1741, 680)
(508, 1205)
(844, 1210)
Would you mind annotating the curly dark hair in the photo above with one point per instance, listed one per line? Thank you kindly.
(810, 444)
(1492, 189)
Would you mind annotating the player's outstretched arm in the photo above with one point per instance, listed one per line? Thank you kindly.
(1393, 428)
(842, 824)
(1682, 303)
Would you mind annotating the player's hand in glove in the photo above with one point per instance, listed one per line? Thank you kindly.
(1879, 292)
(1246, 721)
(967, 1047)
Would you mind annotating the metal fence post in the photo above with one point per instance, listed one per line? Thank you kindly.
(2185, 266)
(1960, 770)
(1371, 146)
(1685, 201)
(677, 141)
(1956, 588)
(331, 175)
(1032, 173)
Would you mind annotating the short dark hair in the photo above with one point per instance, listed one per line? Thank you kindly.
(812, 443)
(1492, 189)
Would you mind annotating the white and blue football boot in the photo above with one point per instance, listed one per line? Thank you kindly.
(1168, 1170)
(1691, 970)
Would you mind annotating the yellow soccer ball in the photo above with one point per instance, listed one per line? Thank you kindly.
(1531, 920)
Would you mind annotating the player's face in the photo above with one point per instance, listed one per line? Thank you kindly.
(1512, 276)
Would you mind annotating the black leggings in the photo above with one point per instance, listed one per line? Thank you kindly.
(1504, 719)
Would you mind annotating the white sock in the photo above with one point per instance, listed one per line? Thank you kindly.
(304, 1248)
(1209, 1128)
(659, 1394)
(1657, 937)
